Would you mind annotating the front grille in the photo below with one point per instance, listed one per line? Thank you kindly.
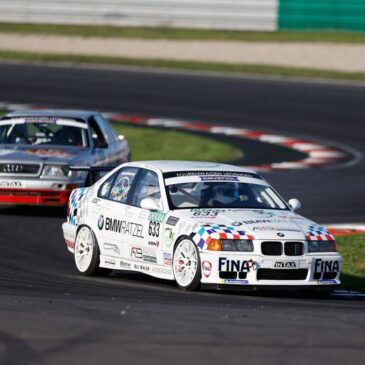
(272, 248)
(19, 168)
(294, 248)
(283, 274)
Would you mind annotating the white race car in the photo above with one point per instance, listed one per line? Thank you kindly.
(200, 224)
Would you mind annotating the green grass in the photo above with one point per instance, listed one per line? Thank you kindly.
(352, 249)
(162, 144)
(184, 34)
(184, 65)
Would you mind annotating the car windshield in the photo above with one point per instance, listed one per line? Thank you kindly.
(44, 131)
(221, 194)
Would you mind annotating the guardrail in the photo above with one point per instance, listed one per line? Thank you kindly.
(214, 14)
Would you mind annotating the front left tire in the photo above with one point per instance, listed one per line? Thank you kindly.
(186, 265)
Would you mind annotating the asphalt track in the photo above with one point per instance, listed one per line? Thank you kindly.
(51, 315)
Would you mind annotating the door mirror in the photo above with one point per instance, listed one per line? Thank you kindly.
(150, 204)
(295, 204)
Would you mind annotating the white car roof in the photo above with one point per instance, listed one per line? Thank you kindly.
(171, 165)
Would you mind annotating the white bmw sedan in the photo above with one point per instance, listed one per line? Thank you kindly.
(200, 224)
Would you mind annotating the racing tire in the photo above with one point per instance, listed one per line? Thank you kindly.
(87, 254)
(186, 265)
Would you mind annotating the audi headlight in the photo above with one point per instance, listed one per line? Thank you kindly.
(322, 246)
(237, 245)
(55, 171)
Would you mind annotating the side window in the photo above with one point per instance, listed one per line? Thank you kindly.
(97, 134)
(147, 187)
(122, 184)
(105, 187)
(107, 129)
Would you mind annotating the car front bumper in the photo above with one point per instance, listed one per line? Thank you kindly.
(36, 191)
(242, 270)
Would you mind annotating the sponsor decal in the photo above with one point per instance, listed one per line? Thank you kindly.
(120, 226)
(141, 267)
(285, 265)
(167, 259)
(287, 229)
(212, 173)
(262, 213)
(206, 268)
(327, 281)
(10, 184)
(219, 178)
(136, 252)
(42, 120)
(124, 264)
(258, 221)
(162, 270)
(236, 281)
(154, 229)
(172, 221)
(49, 152)
(263, 228)
(279, 234)
(110, 262)
(149, 255)
(145, 254)
(169, 237)
(156, 216)
(225, 264)
(101, 222)
(205, 213)
(154, 243)
(323, 266)
(111, 247)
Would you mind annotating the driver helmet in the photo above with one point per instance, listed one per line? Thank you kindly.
(225, 193)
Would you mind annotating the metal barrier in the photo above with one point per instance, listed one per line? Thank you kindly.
(214, 14)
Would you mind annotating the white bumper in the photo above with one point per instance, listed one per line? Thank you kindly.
(69, 234)
(256, 270)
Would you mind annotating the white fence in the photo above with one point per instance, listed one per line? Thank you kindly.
(215, 14)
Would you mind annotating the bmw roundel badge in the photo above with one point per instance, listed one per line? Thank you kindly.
(101, 222)
(281, 234)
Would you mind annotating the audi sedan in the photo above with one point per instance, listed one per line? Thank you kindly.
(37, 147)
(200, 224)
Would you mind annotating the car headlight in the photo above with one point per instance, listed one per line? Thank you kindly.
(230, 245)
(55, 171)
(322, 246)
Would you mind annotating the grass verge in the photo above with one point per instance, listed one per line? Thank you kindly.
(184, 65)
(183, 33)
(162, 144)
(352, 249)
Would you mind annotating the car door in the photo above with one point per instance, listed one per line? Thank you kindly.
(116, 227)
(146, 251)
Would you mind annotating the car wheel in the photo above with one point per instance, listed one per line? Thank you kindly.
(87, 254)
(186, 265)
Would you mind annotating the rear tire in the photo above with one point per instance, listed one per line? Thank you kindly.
(186, 265)
(87, 254)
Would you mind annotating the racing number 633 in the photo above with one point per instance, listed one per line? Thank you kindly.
(154, 229)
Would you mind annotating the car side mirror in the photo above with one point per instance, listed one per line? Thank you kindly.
(295, 204)
(150, 204)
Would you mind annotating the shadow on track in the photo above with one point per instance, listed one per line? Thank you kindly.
(34, 211)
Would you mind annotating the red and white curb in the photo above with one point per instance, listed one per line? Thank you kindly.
(318, 154)
(346, 229)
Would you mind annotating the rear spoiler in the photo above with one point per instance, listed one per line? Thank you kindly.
(94, 172)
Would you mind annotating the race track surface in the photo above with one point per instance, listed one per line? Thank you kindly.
(51, 315)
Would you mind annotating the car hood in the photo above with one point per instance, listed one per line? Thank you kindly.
(257, 223)
(40, 154)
